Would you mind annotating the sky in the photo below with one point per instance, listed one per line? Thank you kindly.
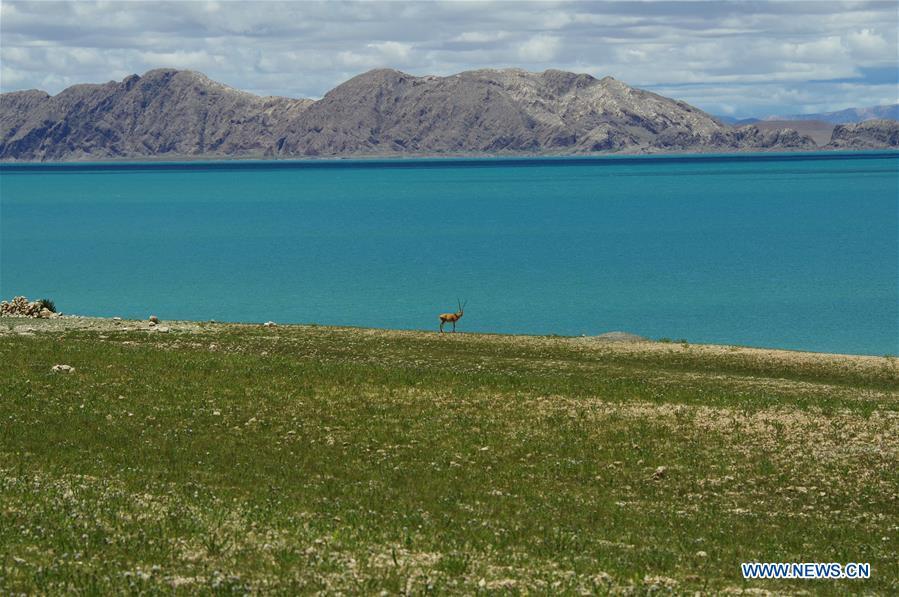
(738, 59)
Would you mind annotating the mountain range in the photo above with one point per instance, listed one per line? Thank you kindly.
(847, 116)
(169, 113)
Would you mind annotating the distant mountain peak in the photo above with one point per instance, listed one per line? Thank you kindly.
(382, 72)
(847, 116)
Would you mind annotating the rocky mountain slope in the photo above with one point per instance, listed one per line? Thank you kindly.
(487, 111)
(819, 131)
(170, 113)
(164, 112)
(870, 134)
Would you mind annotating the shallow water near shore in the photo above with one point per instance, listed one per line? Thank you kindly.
(796, 251)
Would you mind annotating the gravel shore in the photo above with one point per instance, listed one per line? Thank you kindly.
(635, 345)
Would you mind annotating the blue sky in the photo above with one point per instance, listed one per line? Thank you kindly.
(730, 58)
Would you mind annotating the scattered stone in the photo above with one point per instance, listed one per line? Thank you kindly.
(269, 324)
(117, 319)
(660, 473)
(154, 319)
(63, 369)
(701, 554)
(656, 582)
(163, 329)
(46, 313)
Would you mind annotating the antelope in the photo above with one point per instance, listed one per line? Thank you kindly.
(452, 317)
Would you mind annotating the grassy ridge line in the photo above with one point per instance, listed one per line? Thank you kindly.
(217, 457)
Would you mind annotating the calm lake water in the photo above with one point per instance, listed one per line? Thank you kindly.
(795, 251)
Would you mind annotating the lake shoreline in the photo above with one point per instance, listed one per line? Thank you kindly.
(25, 326)
(450, 158)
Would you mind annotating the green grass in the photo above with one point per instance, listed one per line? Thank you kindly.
(48, 304)
(308, 459)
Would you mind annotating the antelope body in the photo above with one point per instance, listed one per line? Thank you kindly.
(452, 317)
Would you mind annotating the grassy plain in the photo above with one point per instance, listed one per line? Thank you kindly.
(222, 458)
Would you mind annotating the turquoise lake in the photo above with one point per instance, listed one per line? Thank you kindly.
(793, 251)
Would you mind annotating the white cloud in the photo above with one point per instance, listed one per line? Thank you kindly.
(480, 37)
(393, 51)
(821, 50)
(190, 60)
(356, 60)
(867, 43)
(539, 49)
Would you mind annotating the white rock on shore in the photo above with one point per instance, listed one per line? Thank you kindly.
(22, 307)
